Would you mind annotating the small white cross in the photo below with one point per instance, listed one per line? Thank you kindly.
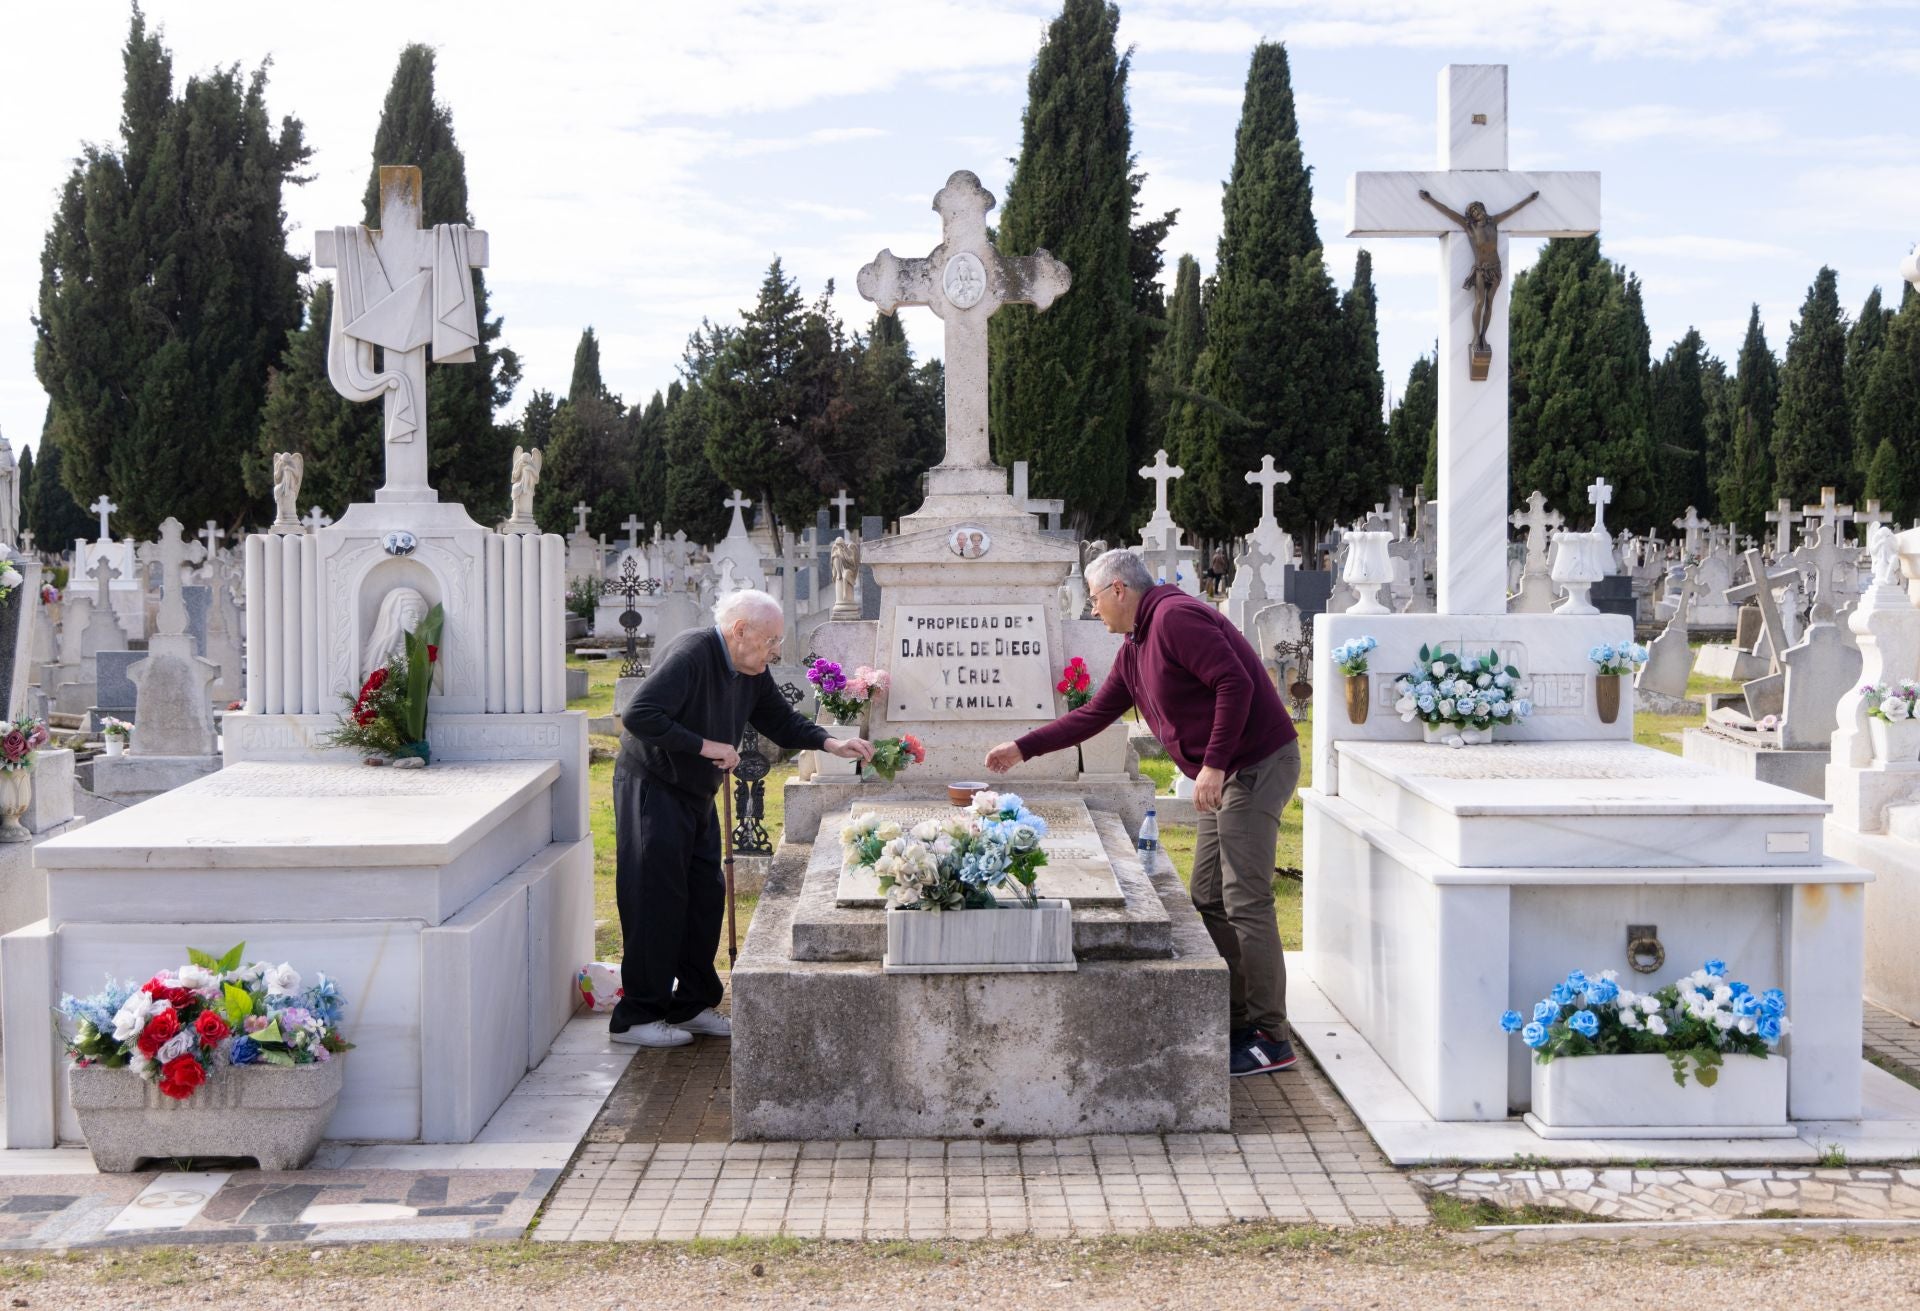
(1599, 496)
(103, 571)
(103, 507)
(1268, 477)
(212, 534)
(1830, 511)
(1161, 473)
(580, 511)
(843, 503)
(26, 539)
(1786, 517)
(737, 503)
(317, 519)
(1693, 523)
(632, 529)
(1872, 515)
(170, 553)
(1538, 520)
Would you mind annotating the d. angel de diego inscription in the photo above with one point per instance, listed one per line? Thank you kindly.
(961, 662)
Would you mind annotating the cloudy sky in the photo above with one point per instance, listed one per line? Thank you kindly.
(639, 163)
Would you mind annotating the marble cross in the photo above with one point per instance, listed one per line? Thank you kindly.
(842, 503)
(1396, 511)
(1052, 507)
(1830, 513)
(1759, 590)
(103, 571)
(317, 519)
(1472, 419)
(737, 503)
(212, 534)
(1784, 517)
(580, 514)
(963, 281)
(632, 529)
(103, 507)
(1599, 496)
(1825, 556)
(1693, 523)
(1268, 478)
(26, 539)
(1538, 520)
(1870, 516)
(405, 289)
(170, 553)
(1161, 473)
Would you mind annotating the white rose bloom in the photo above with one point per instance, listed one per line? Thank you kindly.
(283, 980)
(926, 830)
(1484, 680)
(1439, 668)
(179, 1045)
(1629, 1019)
(1656, 1026)
(1651, 1005)
(848, 835)
(11, 578)
(196, 977)
(1749, 1026)
(888, 831)
(1722, 995)
(1722, 1021)
(1627, 999)
(985, 803)
(132, 1017)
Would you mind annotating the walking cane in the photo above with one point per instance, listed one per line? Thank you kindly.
(726, 859)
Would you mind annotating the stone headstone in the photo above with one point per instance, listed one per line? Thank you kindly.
(872, 529)
(1613, 595)
(1309, 589)
(114, 693)
(1820, 670)
(199, 599)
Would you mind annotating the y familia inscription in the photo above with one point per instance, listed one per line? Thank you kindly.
(961, 662)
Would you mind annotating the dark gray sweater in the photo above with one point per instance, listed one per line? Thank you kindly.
(693, 695)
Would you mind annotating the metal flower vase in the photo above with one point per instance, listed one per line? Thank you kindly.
(1359, 698)
(1606, 696)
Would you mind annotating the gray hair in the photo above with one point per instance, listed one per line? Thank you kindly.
(1121, 564)
(749, 605)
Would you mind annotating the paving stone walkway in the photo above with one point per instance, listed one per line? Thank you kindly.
(1730, 1194)
(657, 1164)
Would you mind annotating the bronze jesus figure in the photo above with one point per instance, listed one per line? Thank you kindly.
(1483, 230)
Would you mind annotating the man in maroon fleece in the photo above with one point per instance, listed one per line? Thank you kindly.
(1203, 692)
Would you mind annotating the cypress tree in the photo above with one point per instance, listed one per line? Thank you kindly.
(1746, 478)
(649, 461)
(1680, 428)
(1413, 429)
(1812, 435)
(693, 491)
(56, 519)
(1864, 343)
(1146, 417)
(1889, 413)
(167, 292)
(586, 368)
(587, 458)
(24, 474)
(1171, 375)
(1366, 386)
(1062, 383)
(339, 441)
(897, 434)
(1275, 365)
(1579, 387)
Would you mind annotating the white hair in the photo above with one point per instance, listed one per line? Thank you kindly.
(749, 605)
(1121, 564)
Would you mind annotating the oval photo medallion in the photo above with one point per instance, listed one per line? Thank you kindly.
(965, 280)
(969, 541)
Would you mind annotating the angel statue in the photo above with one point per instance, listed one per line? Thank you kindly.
(846, 568)
(288, 468)
(526, 477)
(1883, 548)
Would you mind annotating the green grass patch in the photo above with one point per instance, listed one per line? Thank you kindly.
(1457, 1215)
(601, 676)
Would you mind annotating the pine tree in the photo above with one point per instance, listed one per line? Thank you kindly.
(1745, 480)
(167, 292)
(586, 379)
(900, 436)
(1062, 384)
(55, 517)
(1812, 434)
(1864, 343)
(1412, 429)
(694, 492)
(1276, 363)
(338, 441)
(1366, 385)
(1579, 387)
(1680, 428)
(1890, 412)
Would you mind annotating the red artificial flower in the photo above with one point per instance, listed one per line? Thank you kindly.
(180, 1076)
(433, 653)
(914, 749)
(1083, 682)
(160, 990)
(159, 1030)
(1060, 686)
(211, 1028)
(375, 681)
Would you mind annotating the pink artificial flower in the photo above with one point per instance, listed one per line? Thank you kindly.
(857, 688)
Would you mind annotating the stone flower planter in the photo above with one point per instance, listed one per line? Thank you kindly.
(827, 765)
(1895, 742)
(1011, 939)
(273, 1114)
(1106, 751)
(1636, 1097)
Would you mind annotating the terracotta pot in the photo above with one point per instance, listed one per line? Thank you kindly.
(1359, 697)
(961, 794)
(1606, 695)
(16, 790)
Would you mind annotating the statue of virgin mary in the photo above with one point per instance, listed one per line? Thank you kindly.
(401, 611)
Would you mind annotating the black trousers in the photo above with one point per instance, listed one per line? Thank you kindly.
(671, 896)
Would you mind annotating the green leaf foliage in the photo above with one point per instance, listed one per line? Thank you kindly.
(420, 671)
(1812, 434)
(1413, 427)
(1889, 414)
(1745, 481)
(1680, 405)
(48, 508)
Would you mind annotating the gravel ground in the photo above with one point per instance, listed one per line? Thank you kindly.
(1275, 1268)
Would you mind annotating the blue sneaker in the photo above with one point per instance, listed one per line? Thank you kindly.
(1263, 1054)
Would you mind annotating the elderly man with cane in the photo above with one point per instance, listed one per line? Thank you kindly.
(682, 727)
(1202, 690)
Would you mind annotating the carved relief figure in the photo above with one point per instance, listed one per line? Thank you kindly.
(288, 469)
(1483, 231)
(401, 611)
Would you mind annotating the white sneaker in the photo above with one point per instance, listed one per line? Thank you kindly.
(710, 1022)
(656, 1033)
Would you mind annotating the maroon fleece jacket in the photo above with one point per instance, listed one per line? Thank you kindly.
(1199, 686)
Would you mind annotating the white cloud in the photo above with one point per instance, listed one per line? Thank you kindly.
(1632, 124)
(1697, 248)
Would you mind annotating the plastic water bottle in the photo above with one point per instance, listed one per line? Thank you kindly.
(1149, 836)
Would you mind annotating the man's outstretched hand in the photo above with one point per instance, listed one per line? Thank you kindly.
(1004, 757)
(853, 748)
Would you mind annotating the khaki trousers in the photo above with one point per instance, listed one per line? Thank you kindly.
(1232, 887)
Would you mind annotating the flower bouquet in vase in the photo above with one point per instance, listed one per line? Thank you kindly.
(1893, 721)
(1612, 666)
(1460, 702)
(387, 719)
(1350, 658)
(115, 734)
(20, 743)
(845, 699)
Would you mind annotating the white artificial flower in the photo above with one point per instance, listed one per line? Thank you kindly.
(283, 981)
(1895, 707)
(1722, 1020)
(1651, 1005)
(1629, 1019)
(926, 830)
(196, 978)
(848, 835)
(179, 1045)
(1446, 709)
(1439, 668)
(1611, 976)
(1656, 1026)
(132, 1016)
(1749, 1026)
(1722, 995)
(985, 803)
(1484, 680)
(1405, 707)
(1627, 1000)
(888, 831)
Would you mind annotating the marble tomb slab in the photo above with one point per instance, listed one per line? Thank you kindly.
(1077, 868)
(1577, 805)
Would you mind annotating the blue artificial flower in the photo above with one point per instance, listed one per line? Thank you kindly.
(1426, 704)
(1773, 1002)
(1523, 707)
(1745, 1004)
(1545, 1012)
(1577, 980)
(244, 1051)
(1512, 1021)
(324, 1000)
(1562, 994)
(1534, 1035)
(1585, 1023)
(1768, 1027)
(1739, 989)
(1011, 804)
(1716, 967)
(1601, 991)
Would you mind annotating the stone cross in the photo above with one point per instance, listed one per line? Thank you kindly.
(1161, 473)
(1539, 521)
(1760, 591)
(963, 281)
(632, 529)
(1693, 523)
(212, 534)
(405, 289)
(1396, 511)
(580, 514)
(1870, 516)
(1784, 517)
(103, 571)
(842, 503)
(1268, 478)
(103, 507)
(26, 540)
(1830, 513)
(1052, 507)
(1825, 555)
(171, 552)
(317, 519)
(1599, 496)
(737, 503)
(1472, 419)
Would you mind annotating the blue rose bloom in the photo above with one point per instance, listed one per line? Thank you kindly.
(245, 1051)
(1768, 1027)
(1716, 967)
(1577, 980)
(1545, 1012)
(1585, 1023)
(1746, 1004)
(1511, 1021)
(1534, 1035)
(1601, 991)
(1562, 994)
(1773, 1002)
(1739, 989)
